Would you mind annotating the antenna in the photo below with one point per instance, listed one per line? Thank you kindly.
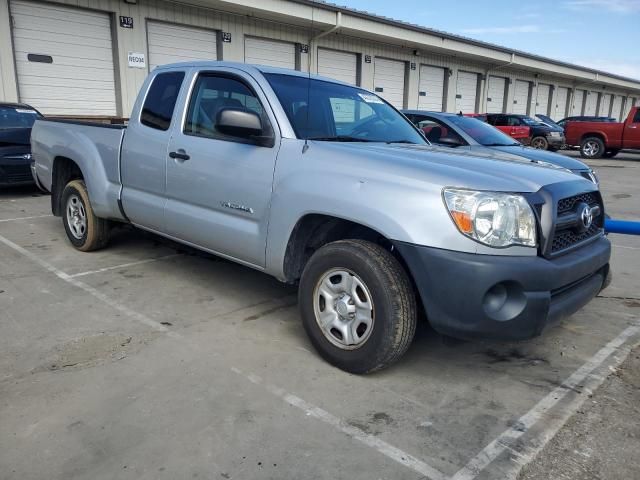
(309, 59)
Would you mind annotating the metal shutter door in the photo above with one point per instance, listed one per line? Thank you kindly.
(173, 43)
(431, 88)
(520, 97)
(576, 106)
(270, 52)
(561, 103)
(591, 103)
(542, 98)
(605, 105)
(388, 80)
(466, 92)
(495, 94)
(80, 80)
(342, 66)
(617, 107)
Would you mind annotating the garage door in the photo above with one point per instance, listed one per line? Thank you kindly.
(495, 94)
(617, 107)
(560, 111)
(262, 51)
(578, 99)
(431, 88)
(542, 98)
(176, 43)
(342, 66)
(605, 105)
(520, 97)
(591, 104)
(466, 92)
(627, 107)
(64, 59)
(388, 80)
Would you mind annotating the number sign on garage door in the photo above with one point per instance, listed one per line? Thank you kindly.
(521, 97)
(263, 51)
(495, 94)
(388, 80)
(578, 100)
(591, 103)
(342, 66)
(562, 96)
(176, 43)
(542, 98)
(466, 92)
(64, 59)
(605, 105)
(431, 88)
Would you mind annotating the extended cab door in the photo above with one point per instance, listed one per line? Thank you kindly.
(144, 151)
(219, 185)
(632, 131)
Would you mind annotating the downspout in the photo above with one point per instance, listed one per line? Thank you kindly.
(312, 47)
(485, 90)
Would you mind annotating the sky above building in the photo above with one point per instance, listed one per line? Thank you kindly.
(600, 34)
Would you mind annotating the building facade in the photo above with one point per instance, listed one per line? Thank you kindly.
(84, 58)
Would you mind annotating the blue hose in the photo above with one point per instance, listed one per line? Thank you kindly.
(622, 226)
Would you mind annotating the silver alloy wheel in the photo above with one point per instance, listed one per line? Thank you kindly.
(538, 143)
(76, 217)
(591, 148)
(343, 308)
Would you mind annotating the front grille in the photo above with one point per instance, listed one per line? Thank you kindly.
(15, 174)
(569, 230)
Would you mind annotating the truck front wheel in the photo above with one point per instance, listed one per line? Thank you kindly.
(357, 305)
(592, 147)
(85, 231)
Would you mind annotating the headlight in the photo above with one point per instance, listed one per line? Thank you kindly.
(594, 176)
(493, 218)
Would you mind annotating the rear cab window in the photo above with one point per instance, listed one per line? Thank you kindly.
(160, 102)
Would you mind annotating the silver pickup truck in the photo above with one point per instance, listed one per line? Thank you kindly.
(326, 185)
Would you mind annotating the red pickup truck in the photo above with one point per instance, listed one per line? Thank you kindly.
(598, 139)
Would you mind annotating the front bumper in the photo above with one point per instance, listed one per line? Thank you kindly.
(15, 171)
(556, 142)
(501, 297)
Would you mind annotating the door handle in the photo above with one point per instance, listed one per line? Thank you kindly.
(179, 155)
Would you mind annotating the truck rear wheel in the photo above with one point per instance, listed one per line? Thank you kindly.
(85, 231)
(592, 147)
(357, 305)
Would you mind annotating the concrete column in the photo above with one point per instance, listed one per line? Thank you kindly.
(366, 70)
(8, 78)
(413, 79)
(451, 91)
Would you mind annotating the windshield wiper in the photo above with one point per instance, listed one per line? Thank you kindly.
(339, 138)
(402, 141)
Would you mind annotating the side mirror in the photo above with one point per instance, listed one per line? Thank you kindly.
(238, 123)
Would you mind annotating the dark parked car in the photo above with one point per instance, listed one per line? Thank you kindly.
(464, 132)
(16, 120)
(543, 136)
(563, 123)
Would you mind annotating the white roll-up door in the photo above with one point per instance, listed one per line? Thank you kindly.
(520, 97)
(627, 107)
(560, 109)
(542, 98)
(578, 99)
(431, 88)
(262, 51)
(388, 80)
(605, 105)
(495, 94)
(177, 43)
(64, 59)
(617, 107)
(466, 92)
(342, 66)
(591, 104)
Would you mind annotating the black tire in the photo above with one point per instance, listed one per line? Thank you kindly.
(592, 147)
(611, 153)
(539, 143)
(393, 300)
(95, 234)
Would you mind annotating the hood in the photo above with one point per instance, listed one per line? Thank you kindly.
(448, 167)
(543, 156)
(14, 136)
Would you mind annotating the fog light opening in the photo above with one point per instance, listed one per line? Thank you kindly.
(504, 301)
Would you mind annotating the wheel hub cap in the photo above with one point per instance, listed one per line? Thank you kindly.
(76, 217)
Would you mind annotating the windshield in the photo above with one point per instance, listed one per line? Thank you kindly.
(331, 112)
(546, 119)
(15, 117)
(530, 121)
(481, 132)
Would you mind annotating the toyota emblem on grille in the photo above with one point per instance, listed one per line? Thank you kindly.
(586, 216)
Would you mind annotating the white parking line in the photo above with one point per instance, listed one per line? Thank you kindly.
(583, 377)
(625, 246)
(24, 218)
(372, 441)
(124, 265)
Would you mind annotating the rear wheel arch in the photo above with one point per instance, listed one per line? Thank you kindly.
(64, 170)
